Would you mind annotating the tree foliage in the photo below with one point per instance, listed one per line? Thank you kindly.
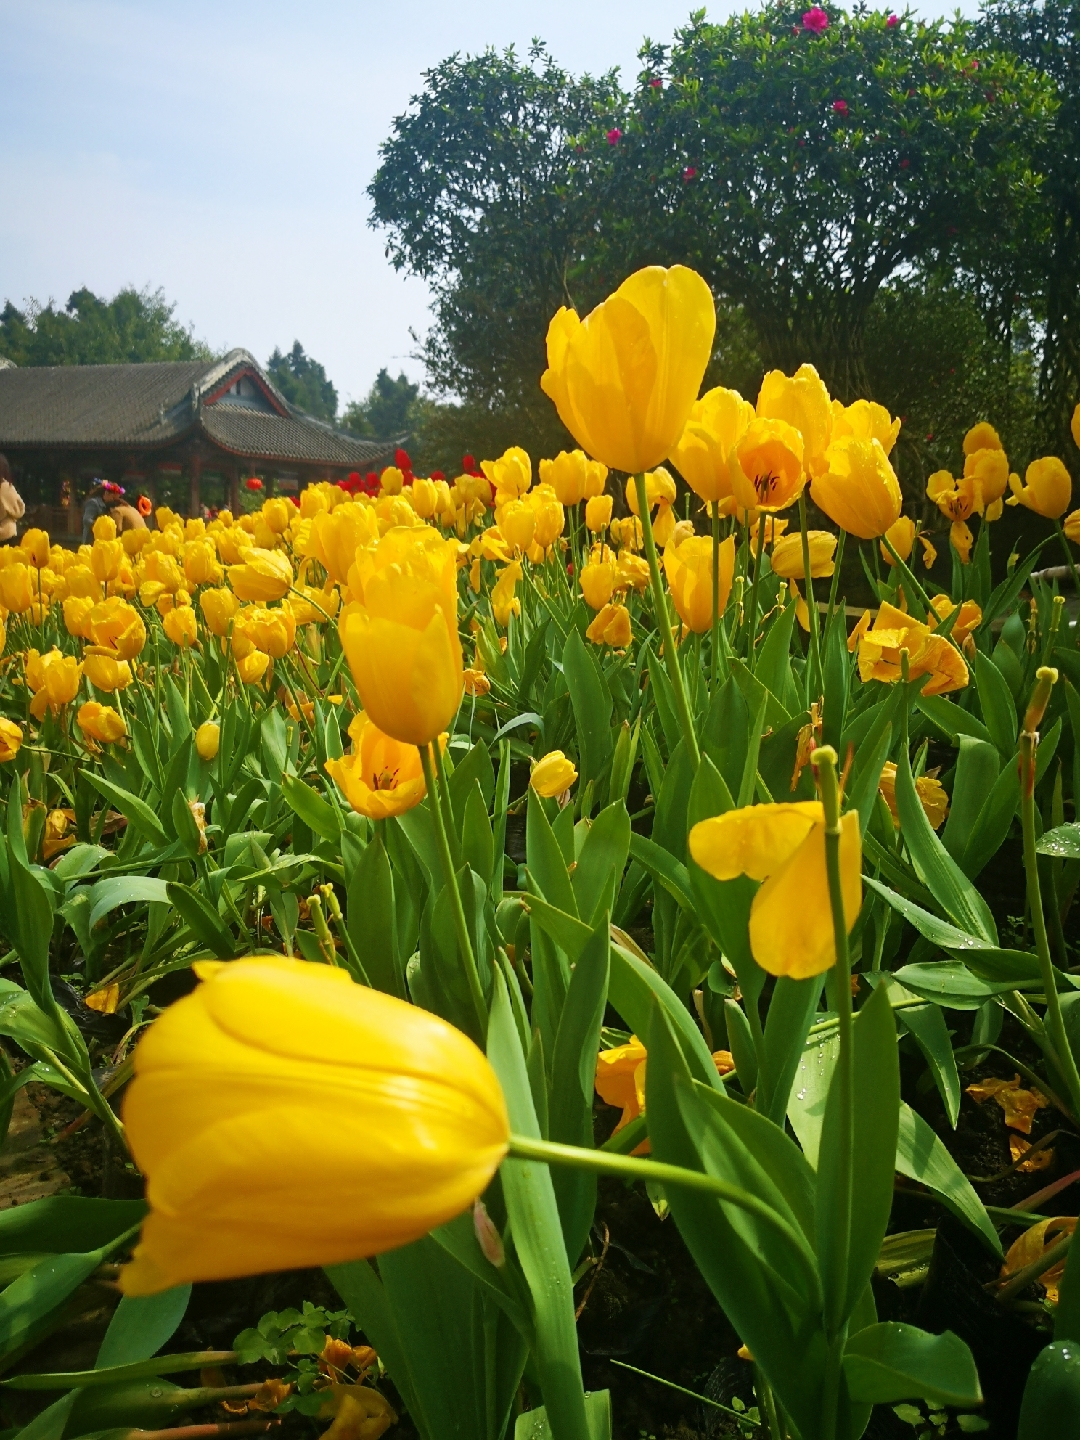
(388, 410)
(303, 382)
(135, 326)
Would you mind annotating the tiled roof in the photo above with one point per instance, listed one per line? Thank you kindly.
(152, 406)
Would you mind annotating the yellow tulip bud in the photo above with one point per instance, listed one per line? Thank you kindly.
(36, 545)
(207, 739)
(689, 570)
(552, 775)
(11, 737)
(277, 515)
(17, 590)
(218, 608)
(567, 475)
(105, 672)
(598, 513)
(181, 626)
(261, 1046)
(101, 722)
(901, 536)
(787, 555)
(623, 380)
(857, 487)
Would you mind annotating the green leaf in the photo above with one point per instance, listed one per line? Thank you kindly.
(203, 920)
(29, 1301)
(591, 699)
(601, 861)
(546, 865)
(934, 865)
(952, 720)
(950, 983)
(535, 1425)
(537, 1232)
(926, 1024)
(999, 710)
(66, 1222)
(51, 1422)
(868, 1168)
(672, 874)
(892, 1361)
(977, 769)
(567, 931)
(994, 822)
(316, 813)
(138, 813)
(371, 917)
(921, 1156)
(1051, 1404)
(141, 1325)
(634, 988)
(791, 1010)
(107, 894)
(1063, 842)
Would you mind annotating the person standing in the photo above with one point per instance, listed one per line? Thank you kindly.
(125, 516)
(93, 508)
(12, 508)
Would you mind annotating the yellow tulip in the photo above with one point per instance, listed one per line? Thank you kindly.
(970, 617)
(17, 590)
(77, 610)
(933, 797)
(627, 533)
(104, 528)
(82, 581)
(272, 631)
(382, 777)
(314, 606)
(901, 536)
(517, 524)
(631, 572)
(982, 436)
(11, 737)
(550, 516)
(1071, 525)
(1074, 425)
(956, 499)
(1047, 488)
(717, 422)
(233, 544)
(401, 637)
(504, 601)
(552, 775)
(218, 608)
(264, 575)
(961, 539)
(201, 563)
(598, 513)
(253, 666)
(787, 555)
(623, 380)
(337, 535)
(101, 722)
(35, 543)
(892, 632)
(247, 1060)
(659, 489)
(115, 625)
(573, 476)
(278, 514)
(611, 626)
(865, 420)
(783, 845)
(105, 671)
(511, 474)
(989, 469)
(106, 557)
(800, 400)
(767, 466)
(857, 487)
(597, 580)
(689, 570)
(181, 626)
(208, 739)
(54, 679)
(423, 497)
(476, 683)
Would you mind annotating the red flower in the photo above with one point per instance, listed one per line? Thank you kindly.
(893, 21)
(401, 460)
(656, 83)
(815, 20)
(614, 135)
(904, 164)
(144, 506)
(839, 107)
(436, 475)
(253, 483)
(689, 173)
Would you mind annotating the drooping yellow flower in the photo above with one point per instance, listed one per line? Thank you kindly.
(620, 1079)
(264, 575)
(969, 619)
(11, 737)
(476, 682)
(659, 489)
(597, 579)
(857, 487)
(17, 589)
(929, 552)
(623, 380)
(115, 625)
(631, 571)
(552, 774)
(314, 605)
(783, 845)
(865, 420)
(1047, 488)
(504, 600)
(218, 608)
(54, 679)
(767, 466)
(511, 474)
(101, 722)
(382, 777)
(716, 424)
(961, 539)
(598, 512)
(689, 570)
(787, 555)
(245, 1062)
(208, 739)
(893, 632)
(400, 635)
(105, 672)
(55, 838)
(901, 536)
(932, 795)
(800, 400)
(611, 626)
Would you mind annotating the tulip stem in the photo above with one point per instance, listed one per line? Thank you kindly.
(811, 605)
(715, 593)
(468, 958)
(663, 620)
(1072, 567)
(447, 807)
(836, 575)
(633, 1167)
(751, 622)
(824, 762)
(1066, 1061)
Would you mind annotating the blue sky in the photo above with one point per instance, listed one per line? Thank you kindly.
(222, 151)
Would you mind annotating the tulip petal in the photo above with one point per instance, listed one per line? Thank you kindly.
(756, 840)
(791, 923)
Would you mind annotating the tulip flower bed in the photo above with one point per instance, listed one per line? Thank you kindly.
(489, 890)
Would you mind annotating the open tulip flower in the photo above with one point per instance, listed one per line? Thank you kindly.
(787, 555)
(882, 645)
(857, 487)
(223, 1119)
(382, 777)
(54, 679)
(101, 722)
(611, 626)
(766, 467)
(624, 379)
(783, 845)
(1047, 488)
(716, 424)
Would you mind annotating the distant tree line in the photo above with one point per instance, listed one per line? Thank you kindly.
(894, 200)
